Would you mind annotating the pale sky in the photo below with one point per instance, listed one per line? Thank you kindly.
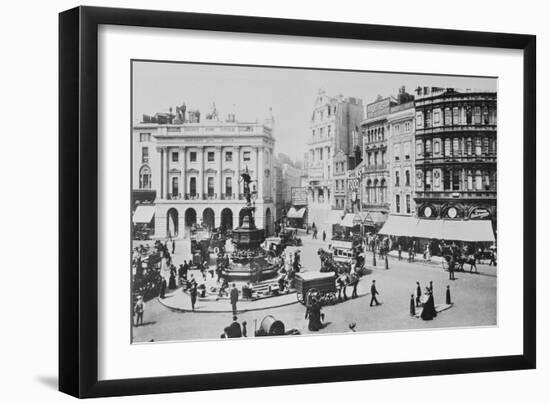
(251, 91)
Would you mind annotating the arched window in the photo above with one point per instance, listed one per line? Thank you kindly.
(145, 178)
(374, 188)
(383, 191)
(368, 190)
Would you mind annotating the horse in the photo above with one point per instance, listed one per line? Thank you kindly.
(466, 259)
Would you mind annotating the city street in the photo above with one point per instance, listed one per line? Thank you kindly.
(473, 296)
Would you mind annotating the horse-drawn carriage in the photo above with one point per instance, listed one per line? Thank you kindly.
(455, 258)
(319, 285)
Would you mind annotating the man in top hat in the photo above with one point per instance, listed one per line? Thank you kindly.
(234, 297)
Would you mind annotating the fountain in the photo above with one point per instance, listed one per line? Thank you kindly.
(249, 260)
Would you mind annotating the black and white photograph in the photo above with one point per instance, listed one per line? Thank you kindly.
(273, 201)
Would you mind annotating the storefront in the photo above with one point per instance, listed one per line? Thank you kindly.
(296, 217)
(473, 233)
(143, 223)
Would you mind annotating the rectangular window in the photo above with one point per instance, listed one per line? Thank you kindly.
(397, 203)
(447, 180)
(408, 199)
(407, 178)
(329, 130)
(210, 156)
(145, 155)
(419, 119)
(144, 137)
(428, 119)
(456, 180)
(193, 156)
(456, 147)
(477, 115)
(437, 118)
(321, 153)
(397, 178)
(428, 180)
(175, 157)
(210, 186)
(228, 186)
(246, 156)
(448, 117)
(193, 186)
(437, 147)
(228, 157)
(456, 116)
(419, 149)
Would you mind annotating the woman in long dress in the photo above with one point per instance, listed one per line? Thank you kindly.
(428, 311)
(314, 316)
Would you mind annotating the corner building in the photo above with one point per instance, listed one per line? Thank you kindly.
(456, 154)
(194, 169)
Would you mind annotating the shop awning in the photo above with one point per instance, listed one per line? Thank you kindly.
(144, 214)
(426, 228)
(399, 226)
(347, 221)
(452, 230)
(294, 213)
(468, 230)
(334, 217)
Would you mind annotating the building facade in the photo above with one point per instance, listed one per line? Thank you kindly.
(195, 169)
(455, 154)
(401, 157)
(375, 130)
(334, 123)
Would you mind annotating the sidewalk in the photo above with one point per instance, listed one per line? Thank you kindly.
(178, 300)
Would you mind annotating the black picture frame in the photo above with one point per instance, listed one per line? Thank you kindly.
(78, 200)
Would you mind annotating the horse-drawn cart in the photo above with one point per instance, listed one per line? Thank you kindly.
(321, 285)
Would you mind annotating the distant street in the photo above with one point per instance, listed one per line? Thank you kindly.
(473, 295)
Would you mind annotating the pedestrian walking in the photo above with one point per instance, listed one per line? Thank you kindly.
(452, 269)
(244, 332)
(234, 297)
(162, 289)
(412, 306)
(193, 295)
(448, 295)
(324, 236)
(373, 293)
(399, 252)
(418, 294)
(139, 309)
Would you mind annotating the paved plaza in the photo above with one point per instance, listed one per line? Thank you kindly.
(473, 296)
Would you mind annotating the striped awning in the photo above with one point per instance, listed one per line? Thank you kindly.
(144, 214)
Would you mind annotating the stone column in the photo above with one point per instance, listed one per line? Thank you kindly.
(166, 169)
(200, 176)
(236, 177)
(161, 171)
(220, 174)
(183, 186)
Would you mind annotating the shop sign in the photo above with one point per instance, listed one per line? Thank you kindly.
(480, 213)
(298, 196)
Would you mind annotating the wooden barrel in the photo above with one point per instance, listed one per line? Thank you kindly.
(271, 326)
